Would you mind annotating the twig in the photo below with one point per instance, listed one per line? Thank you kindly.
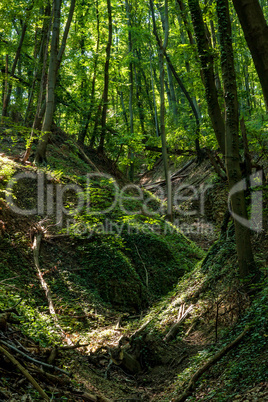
(25, 373)
(86, 158)
(34, 360)
(175, 328)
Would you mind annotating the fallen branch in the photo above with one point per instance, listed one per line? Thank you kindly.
(25, 373)
(175, 328)
(85, 158)
(206, 366)
(34, 360)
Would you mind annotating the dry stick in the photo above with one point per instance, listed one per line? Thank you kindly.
(25, 373)
(175, 328)
(86, 158)
(207, 365)
(36, 247)
(34, 360)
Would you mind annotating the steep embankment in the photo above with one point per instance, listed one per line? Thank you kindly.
(129, 286)
(95, 263)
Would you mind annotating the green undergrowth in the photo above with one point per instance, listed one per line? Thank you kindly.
(117, 251)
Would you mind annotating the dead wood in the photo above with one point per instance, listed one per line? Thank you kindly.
(175, 328)
(85, 158)
(53, 379)
(34, 360)
(25, 373)
(215, 163)
(189, 389)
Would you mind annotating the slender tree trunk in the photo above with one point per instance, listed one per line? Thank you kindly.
(13, 69)
(255, 30)
(206, 59)
(54, 64)
(83, 132)
(51, 83)
(157, 130)
(131, 117)
(106, 78)
(42, 56)
(173, 99)
(146, 86)
(5, 81)
(242, 233)
(162, 48)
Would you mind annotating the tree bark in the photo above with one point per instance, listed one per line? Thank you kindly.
(106, 77)
(206, 60)
(242, 233)
(255, 30)
(54, 64)
(83, 132)
(162, 48)
(131, 116)
(14, 65)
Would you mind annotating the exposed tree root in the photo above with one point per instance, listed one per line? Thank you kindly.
(36, 247)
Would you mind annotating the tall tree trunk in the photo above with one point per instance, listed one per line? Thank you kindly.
(106, 78)
(206, 59)
(162, 49)
(139, 101)
(157, 130)
(51, 84)
(184, 90)
(54, 64)
(14, 65)
(242, 233)
(42, 55)
(131, 117)
(41, 104)
(255, 30)
(83, 132)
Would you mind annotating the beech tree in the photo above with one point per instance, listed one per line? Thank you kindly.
(255, 29)
(232, 157)
(54, 64)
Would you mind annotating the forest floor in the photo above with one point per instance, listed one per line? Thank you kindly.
(128, 354)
